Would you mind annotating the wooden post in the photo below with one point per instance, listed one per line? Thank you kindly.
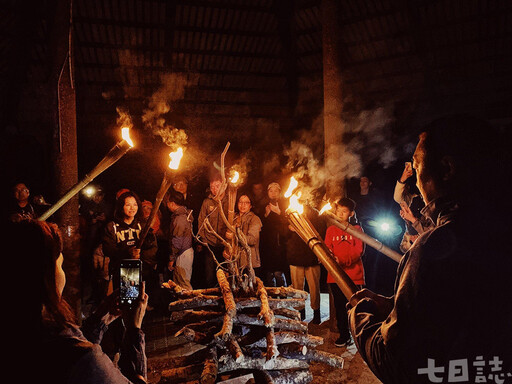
(61, 91)
(333, 97)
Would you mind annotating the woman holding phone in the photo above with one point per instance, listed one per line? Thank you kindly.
(121, 236)
(63, 351)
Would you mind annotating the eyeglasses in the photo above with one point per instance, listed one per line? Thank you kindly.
(244, 202)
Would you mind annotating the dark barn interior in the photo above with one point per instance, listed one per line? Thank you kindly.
(251, 72)
(334, 89)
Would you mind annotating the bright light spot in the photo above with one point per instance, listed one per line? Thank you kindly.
(293, 184)
(125, 133)
(235, 177)
(385, 226)
(175, 158)
(89, 191)
(295, 205)
(326, 207)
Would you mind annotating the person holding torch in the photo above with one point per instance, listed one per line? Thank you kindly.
(347, 250)
(450, 317)
(121, 236)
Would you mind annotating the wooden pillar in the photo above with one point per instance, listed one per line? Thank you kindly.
(333, 97)
(333, 107)
(62, 97)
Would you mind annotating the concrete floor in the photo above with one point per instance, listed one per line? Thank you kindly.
(161, 345)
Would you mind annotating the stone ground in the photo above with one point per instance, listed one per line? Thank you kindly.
(161, 344)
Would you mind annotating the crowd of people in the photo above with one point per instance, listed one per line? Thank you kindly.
(432, 304)
(184, 245)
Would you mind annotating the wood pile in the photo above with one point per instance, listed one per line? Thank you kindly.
(242, 326)
(260, 333)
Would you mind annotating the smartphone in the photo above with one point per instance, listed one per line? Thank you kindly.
(130, 280)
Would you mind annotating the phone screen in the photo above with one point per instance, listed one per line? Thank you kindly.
(130, 280)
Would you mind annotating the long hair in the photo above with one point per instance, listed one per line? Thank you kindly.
(38, 246)
(119, 211)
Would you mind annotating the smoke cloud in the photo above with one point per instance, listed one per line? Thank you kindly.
(160, 105)
(367, 138)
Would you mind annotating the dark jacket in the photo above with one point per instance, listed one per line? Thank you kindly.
(119, 237)
(451, 302)
(298, 252)
(273, 241)
(73, 355)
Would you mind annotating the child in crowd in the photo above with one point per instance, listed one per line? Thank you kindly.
(348, 251)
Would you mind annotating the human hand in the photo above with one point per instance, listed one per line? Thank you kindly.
(170, 265)
(406, 213)
(383, 304)
(133, 317)
(268, 209)
(134, 253)
(275, 208)
(407, 172)
(229, 235)
(108, 310)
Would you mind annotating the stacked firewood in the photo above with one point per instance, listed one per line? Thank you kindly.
(243, 326)
(259, 333)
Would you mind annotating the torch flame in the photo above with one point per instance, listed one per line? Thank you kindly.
(175, 158)
(295, 205)
(293, 185)
(235, 177)
(125, 133)
(325, 208)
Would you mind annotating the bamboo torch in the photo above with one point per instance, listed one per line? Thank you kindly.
(347, 227)
(166, 183)
(310, 236)
(112, 156)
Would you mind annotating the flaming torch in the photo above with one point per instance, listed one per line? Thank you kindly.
(232, 191)
(347, 227)
(166, 183)
(112, 156)
(310, 236)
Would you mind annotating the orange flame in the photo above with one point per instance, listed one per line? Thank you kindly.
(325, 208)
(295, 205)
(293, 184)
(125, 133)
(234, 179)
(175, 158)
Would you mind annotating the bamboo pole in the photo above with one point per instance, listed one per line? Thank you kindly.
(310, 236)
(164, 187)
(365, 238)
(112, 156)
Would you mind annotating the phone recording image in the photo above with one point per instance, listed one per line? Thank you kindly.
(130, 280)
